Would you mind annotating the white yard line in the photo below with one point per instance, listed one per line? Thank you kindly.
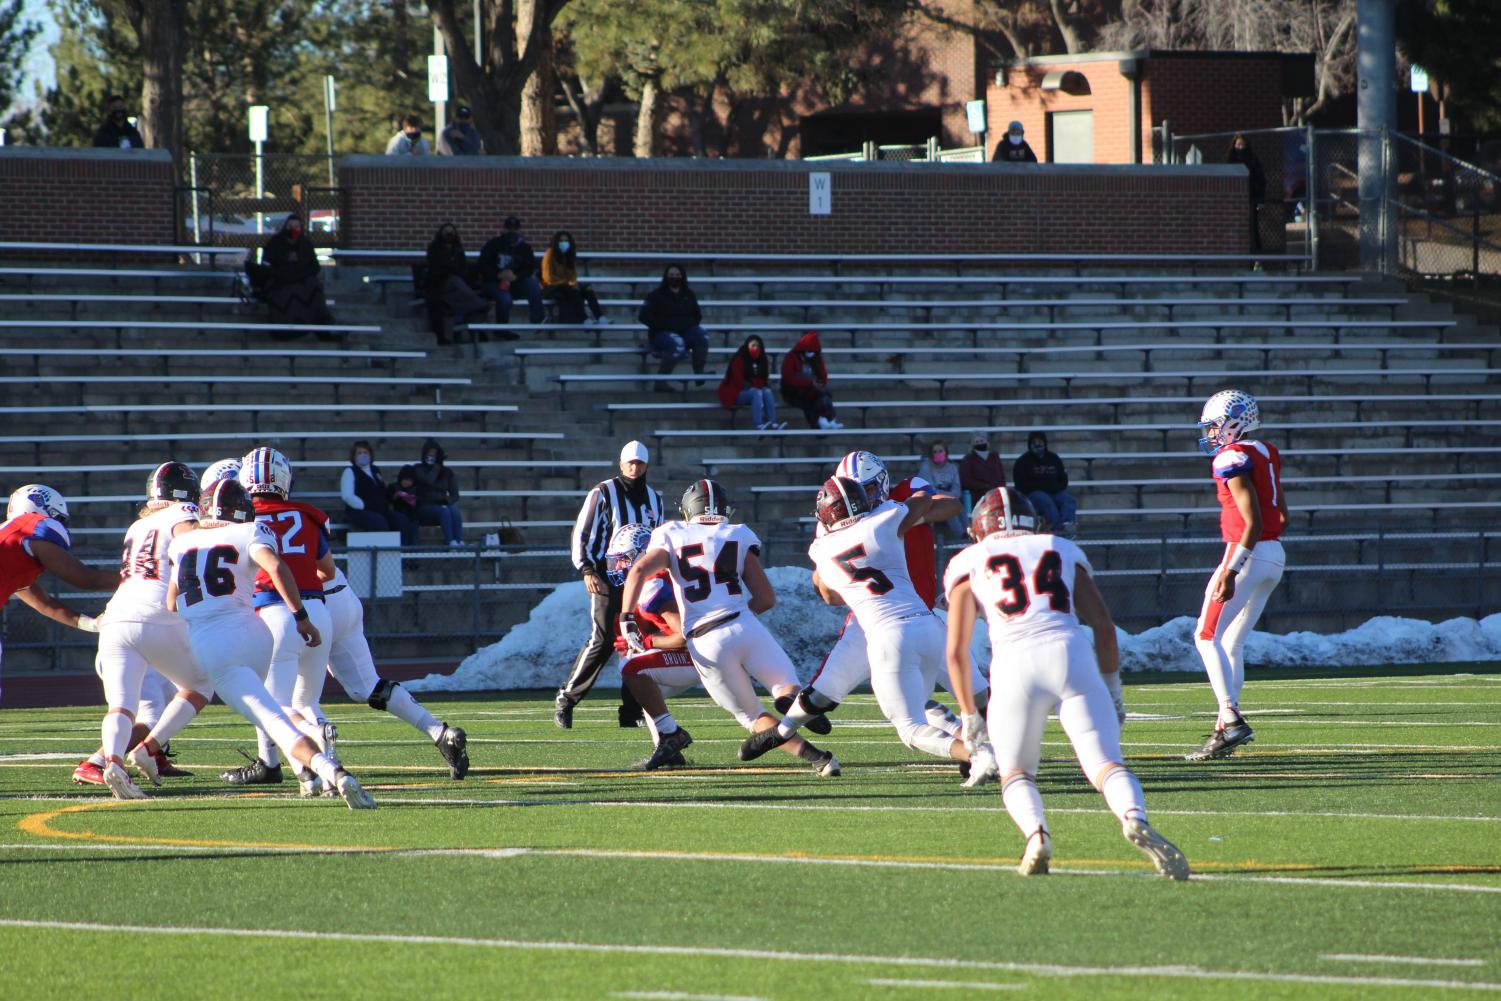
(681, 996)
(1346, 957)
(774, 955)
(971, 985)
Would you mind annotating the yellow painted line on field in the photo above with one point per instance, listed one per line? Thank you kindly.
(40, 825)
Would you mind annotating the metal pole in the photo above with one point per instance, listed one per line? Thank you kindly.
(260, 186)
(479, 36)
(1311, 212)
(193, 180)
(328, 122)
(1377, 106)
(442, 122)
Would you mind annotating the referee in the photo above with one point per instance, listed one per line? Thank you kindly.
(624, 500)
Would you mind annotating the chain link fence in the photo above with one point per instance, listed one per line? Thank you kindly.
(233, 199)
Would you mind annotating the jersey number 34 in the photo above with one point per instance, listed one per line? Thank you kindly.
(1046, 579)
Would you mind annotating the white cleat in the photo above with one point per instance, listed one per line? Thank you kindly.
(1163, 853)
(330, 743)
(982, 768)
(144, 762)
(120, 784)
(354, 794)
(309, 785)
(1035, 859)
(827, 767)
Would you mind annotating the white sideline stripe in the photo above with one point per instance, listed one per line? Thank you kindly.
(680, 996)
(854, 959)
(973, 985)
(1347, 957)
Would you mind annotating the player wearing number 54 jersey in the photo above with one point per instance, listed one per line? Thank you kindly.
(1035, 591)
(719, 585)
(1253, 512)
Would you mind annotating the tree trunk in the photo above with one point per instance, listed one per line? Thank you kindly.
(646, 119)
(159, 30)
(587, 107)
(1071, 40)
(539, 113)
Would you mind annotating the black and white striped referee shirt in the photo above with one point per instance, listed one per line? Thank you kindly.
(605, 510)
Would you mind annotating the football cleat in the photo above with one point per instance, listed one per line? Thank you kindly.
(353, 793)
(257, 772)
(760, 742)
(166, 767)
(330, 743)
(144, 762)
(454, 746)
(982, 768)
(1163, 853)
(670, 746)
(1002, 510)
(120, 784)
(309, 785)
(562, 711)
(827, 767)
(88, 774)
(1035, 859)
(1223, 741)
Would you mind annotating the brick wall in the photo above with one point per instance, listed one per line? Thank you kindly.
(85, 195)
(1213, 95)
(1022, 99)
(762, 207)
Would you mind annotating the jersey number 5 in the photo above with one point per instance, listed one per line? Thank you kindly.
(876, 581)
(1047, 579)
(216, 579)
(696, 585)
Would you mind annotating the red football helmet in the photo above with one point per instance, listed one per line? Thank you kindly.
(841, 501)
(1003, 509)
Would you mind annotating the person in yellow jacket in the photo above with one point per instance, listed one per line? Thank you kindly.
(560, 281)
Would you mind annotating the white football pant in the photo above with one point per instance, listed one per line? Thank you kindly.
(1220, 635)
(728, 658)
(905, 660)
(235, 652)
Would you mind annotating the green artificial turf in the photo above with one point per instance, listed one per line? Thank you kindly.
(1354, 845)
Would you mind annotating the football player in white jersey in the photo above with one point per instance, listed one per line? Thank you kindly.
(1036, 590)
(720, 588)
(861, 561)
(212, 573)
(139, 633)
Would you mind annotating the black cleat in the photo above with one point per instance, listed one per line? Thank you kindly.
(760, 742)
(562, 711)
(1223, 741)
(630, 717)
(670, 748)
(255, 773)
(964, 769)
(454, 746)
(827, 766)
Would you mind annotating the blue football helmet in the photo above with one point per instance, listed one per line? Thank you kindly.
(626, 547)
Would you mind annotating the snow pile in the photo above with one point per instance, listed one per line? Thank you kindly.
(539, 652)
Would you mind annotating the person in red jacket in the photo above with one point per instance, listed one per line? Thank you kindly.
(747, 381)
(805, 382)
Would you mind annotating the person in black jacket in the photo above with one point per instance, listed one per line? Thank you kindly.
(508, 270)
(1039, 474)
(1240, 152)
(447, 283)
(289, 277)
(116, 132)
(438, 493)
(367, 506)
(672, 318)
(1013, 148)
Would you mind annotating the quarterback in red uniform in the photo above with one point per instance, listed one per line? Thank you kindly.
(1253, 513)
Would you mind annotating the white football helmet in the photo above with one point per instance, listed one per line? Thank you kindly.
(627, 545)
(34, 498)
(1229, 416)
(264, 470)
(223, 469)
(869, 471)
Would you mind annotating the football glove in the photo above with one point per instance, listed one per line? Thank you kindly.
(972, 730)
(1113, 684)
(631, 633)
(89, 623)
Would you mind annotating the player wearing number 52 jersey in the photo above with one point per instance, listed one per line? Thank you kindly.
(1253, 513)
(1035, 591)
(212, 573)
(719, 585)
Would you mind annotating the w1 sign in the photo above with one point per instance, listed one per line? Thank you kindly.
(820, 194)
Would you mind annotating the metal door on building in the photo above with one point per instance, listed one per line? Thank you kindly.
(1071, 136)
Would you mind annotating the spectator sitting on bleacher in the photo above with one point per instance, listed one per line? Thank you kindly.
(944, 475)
(403, 494)
(438, 493)
(673, 321)
(448, 292)
(289, 278)
(116, 132)
(748, 381)
(507, 270)
(980, 471)
(1040, 475)
(560, 281)
(367, 507)
(805, 382)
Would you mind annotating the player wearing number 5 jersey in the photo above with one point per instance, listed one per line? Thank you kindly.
(1035, 591)
(720, 587)
(1253, 512)
(212, 573)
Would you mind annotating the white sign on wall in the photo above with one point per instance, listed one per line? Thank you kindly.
(437, 78)
(820, 194)
(975, 112)
(260, 116)
(1418, 82)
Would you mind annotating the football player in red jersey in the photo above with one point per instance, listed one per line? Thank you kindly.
(1253, 513)
(33, 538)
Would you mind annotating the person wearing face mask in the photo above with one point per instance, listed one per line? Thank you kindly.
(409, 141)
(116, 132)
(366, 504)
(461, 138)
(1040, 475)
(560, 281)
(747, 381)
(508, 271)
(672, 317)
(805, 382)
(1240, 152)
(449, 296)
(1013, 147)
(289, 277)
(980, 471)
(438, 493)
(944, 476)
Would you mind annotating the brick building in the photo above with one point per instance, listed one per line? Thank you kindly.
(1103, 107)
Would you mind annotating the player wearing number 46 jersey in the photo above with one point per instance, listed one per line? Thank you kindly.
(1035, 591)
(1253, 513)
(720, 587)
